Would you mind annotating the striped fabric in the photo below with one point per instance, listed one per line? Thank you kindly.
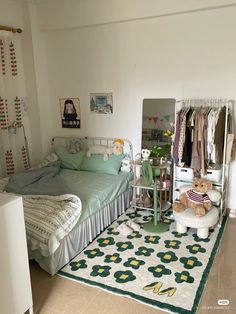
(197, 197)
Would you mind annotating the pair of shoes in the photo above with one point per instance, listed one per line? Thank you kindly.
(126, 228)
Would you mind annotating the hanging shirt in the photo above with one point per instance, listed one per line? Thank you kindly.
(182, 135)
(187, 148)
(177, 134)
(219, 135)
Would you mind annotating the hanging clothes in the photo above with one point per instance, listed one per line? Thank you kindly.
(187, 149)
(199, 137)
(195, 160)
(219, 135)
(177, 136)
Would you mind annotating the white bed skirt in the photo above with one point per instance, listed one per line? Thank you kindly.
(82, 235)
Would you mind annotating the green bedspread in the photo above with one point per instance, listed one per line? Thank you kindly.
(95, 190)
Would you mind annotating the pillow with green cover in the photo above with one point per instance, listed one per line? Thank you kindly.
(68, 160)
(96, 163)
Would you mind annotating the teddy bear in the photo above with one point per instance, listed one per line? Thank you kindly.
(116, 149)
(126, 164)
(195, 198)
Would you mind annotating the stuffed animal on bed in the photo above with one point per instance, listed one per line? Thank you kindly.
(73, 146)
(195, 198)
(118, 146)
(126, 164)
(116, 149)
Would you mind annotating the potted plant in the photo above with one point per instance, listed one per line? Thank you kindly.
(163, 151)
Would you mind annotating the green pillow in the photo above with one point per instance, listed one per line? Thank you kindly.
(70, 161)
(96, 163)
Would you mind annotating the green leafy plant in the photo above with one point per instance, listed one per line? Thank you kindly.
(161, 151)
(164, 150)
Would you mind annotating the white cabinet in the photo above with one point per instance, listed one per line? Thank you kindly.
(15, 286)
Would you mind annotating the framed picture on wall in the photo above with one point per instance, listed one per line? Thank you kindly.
(101, 103)
(70, 112)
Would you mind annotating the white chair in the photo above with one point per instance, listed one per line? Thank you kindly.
(202, 224)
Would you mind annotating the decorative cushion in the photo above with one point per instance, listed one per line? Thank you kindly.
(70, 161)
(96, 163)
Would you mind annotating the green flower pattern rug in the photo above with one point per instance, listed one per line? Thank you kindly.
(167, 270)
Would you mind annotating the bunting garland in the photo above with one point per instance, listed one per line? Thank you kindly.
(4, 121)
(155, 119)
(25, 158)
(2, 58)
(13, 59)
(9, 162)
(18, 111)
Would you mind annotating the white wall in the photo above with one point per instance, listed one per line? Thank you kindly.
(135, 49)
(179, 56)
(176, 56)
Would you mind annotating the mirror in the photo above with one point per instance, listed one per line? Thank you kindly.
(158, 117)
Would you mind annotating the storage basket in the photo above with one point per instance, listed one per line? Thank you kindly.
(184, 173)
(213, 175)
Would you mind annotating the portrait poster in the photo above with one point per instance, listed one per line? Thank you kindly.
(70, 112)
(101, 103)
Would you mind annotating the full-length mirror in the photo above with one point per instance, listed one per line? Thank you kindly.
(158, 124)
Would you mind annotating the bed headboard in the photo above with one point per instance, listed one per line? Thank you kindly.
(87, 141)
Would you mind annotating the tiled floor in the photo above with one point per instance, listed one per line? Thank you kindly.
(56, 295)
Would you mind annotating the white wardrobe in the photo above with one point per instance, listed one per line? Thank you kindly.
(15, 285)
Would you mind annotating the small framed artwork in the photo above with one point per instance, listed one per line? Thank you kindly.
(101, 103)
(70, 112)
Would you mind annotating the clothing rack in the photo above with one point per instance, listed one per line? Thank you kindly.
(214, 103)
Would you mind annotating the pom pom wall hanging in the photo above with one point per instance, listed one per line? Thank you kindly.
(9, 162)
(4, 121)
(17, 103)
(25, 158)
(13, 59)
(3, 62)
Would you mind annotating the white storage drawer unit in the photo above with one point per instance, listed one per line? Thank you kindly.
(185, 173)
(15, 286)
(213, 175)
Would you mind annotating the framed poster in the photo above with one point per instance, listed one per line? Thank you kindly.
(101, 103)
(70, 112)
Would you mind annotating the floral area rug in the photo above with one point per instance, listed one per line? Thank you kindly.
(166, 270)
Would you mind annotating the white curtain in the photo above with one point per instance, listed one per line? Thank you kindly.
(13, 150)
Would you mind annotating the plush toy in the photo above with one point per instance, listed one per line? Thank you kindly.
(118, 146)
(73, 146)
(126, 165)
(196, 198)
(116, 149)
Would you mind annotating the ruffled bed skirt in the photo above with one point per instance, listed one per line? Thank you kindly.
(82, 235)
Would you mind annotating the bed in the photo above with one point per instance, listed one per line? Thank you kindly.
(103, 197)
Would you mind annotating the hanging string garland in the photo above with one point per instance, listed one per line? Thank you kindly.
(13, 59)
(2, 58)
(155, 119)
(17, 103)
(4, 120)
(2, 113)
(9, 162)
(25, 158)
